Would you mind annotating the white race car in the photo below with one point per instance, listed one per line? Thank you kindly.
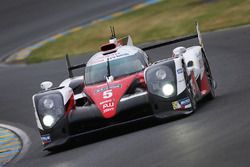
(120, 85)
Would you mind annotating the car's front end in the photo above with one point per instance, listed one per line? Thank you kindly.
(167, 88)
(51, 110)
(114, 93)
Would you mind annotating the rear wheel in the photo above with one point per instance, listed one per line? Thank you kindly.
(211, 94)
(212, 82)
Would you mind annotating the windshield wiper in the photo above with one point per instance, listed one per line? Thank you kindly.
(108, 68)
(109, 77)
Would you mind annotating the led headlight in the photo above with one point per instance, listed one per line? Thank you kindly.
(161, 74)
(168, 89)
(48, 120)
(48, 103)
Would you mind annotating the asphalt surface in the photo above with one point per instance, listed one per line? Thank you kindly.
(218, 134)
(27, 21)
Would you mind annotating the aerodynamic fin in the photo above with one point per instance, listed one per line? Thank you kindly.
(185, 38)
(199, 35)
(71, 68)
(126, 41)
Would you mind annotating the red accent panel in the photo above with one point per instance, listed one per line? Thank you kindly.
(204, 83)
(107, 96)
(71, 104)
(194, 83)
(141, 78)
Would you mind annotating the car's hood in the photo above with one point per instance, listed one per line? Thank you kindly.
(107, 95)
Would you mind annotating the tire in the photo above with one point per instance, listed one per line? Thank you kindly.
(211, 94)
(212, 82)
(190, 92)
(192, 98)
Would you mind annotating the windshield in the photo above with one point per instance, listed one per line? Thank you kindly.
(118, 67)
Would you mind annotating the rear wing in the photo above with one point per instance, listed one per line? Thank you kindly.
(128, 41)
(71, 68)
(125, 41)
(197, 35)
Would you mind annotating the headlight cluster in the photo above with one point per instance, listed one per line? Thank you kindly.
(161, 80)
(48, 103)
(50, 109)
(161, 74)
(167, 89)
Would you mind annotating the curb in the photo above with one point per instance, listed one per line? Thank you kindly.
(10, 145)
(23, 137)
(22, 54)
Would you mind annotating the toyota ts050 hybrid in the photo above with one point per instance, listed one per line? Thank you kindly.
(120, 85)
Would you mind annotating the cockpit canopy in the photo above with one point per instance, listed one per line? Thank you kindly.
(120, 64)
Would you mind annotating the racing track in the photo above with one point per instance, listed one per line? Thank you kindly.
(218, 134)
(27, 21)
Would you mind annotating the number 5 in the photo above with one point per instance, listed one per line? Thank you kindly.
(107, 94)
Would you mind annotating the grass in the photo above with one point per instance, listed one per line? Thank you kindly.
(167, 19)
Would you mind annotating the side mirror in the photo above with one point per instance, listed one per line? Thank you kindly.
(179, 51)
(46, 85)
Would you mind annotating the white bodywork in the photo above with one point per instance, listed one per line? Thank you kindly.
(191, 54)
(67, 82)
(119, 52)
(181, 84)
(194, 54)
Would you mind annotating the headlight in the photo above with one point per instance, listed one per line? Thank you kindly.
(50, 108)
(168, 89)
(48, 103)
(161, 74)
(48, 120)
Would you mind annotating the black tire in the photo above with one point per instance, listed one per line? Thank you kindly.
(212, 83)
(211, 94)
(189, 88)
(192, 98)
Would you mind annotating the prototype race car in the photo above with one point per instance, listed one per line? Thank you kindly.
(120, 85)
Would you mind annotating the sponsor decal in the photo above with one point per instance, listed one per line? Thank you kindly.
(181, 104)
(118, 55)
(107, 105)
(106, 101)
(179, 71)
(176, 105)
(185, 101)
(107, 96)
(108, 87)
(111, 57)
(46, 139)
(182, 80)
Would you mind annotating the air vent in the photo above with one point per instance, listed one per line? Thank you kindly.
(190, 63)
(108, 47)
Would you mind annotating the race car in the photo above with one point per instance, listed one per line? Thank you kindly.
(119, 86)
